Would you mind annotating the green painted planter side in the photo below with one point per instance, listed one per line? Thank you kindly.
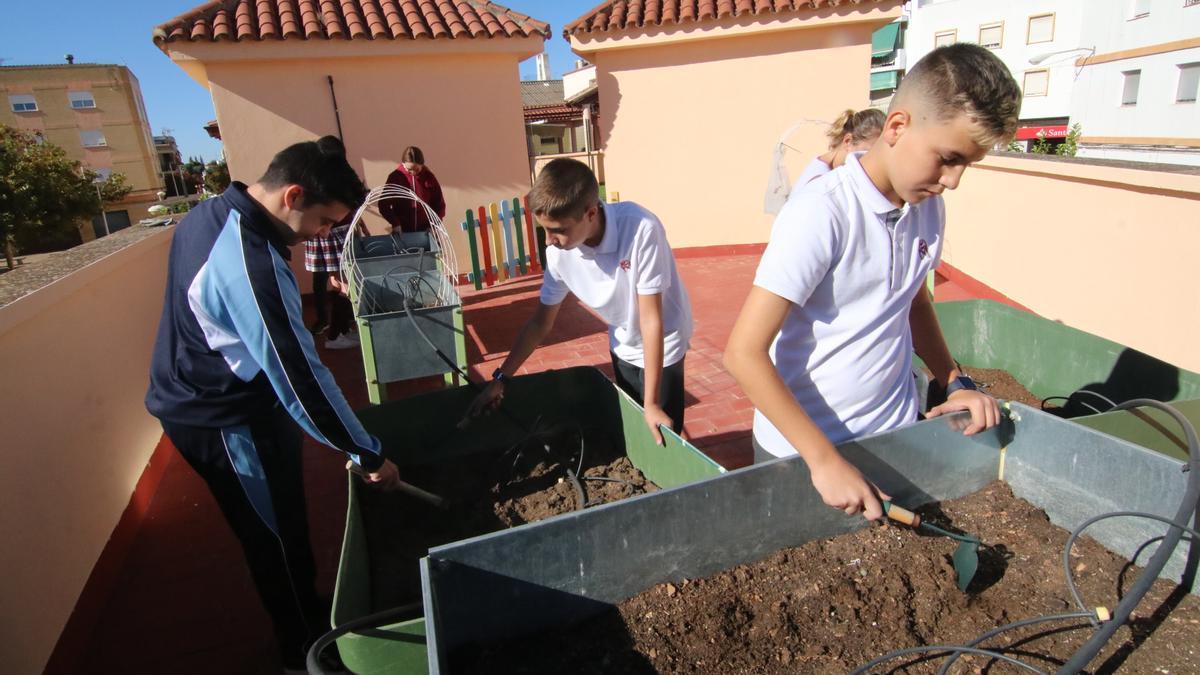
(664, 464)
(1148, 428)
(1049, 358)
(423, 429)
(397, 648)
(1052, 359)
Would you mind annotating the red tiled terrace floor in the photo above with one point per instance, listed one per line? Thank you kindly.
(183, 601)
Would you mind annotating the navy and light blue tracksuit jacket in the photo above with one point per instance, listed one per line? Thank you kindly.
(232, 343)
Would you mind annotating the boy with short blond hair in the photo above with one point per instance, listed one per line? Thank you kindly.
(615, 258)
(824, 343)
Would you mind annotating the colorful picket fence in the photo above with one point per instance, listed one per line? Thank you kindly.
(502, 241)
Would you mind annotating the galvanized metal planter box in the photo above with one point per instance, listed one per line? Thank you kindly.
(557, 572)
(423, 430)
(391, 253)
(392, 348)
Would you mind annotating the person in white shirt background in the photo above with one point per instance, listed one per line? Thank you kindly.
(850, 132)
(616, 259)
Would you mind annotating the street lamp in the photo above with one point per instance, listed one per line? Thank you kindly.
(1042, 57)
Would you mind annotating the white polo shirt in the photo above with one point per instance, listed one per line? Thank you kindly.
(851, 263)
(633, 259)
(815, 169)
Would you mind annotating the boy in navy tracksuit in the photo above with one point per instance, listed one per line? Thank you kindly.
(235, 374)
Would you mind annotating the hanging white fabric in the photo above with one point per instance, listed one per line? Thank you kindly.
(779, 184)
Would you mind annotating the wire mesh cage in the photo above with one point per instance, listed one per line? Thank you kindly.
(402, 288)
(364, 255)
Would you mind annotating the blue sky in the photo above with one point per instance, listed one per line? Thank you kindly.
(119, 32)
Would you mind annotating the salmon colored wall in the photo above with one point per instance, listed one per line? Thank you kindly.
(463, 111)
(1111, 251)
(689, 126)
(76, 356)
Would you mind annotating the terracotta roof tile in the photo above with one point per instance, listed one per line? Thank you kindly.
(253, 20)
(266, 19)
(245, 24)
(553, 113)
(622, 15)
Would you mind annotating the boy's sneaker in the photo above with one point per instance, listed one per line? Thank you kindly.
(343, 341)
(318, 327)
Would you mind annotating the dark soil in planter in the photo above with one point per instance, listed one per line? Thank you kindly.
(1002, 385)
(486, 492)
(830, 606)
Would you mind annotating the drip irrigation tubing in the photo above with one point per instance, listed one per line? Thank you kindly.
(1103, 629)
(387, 616)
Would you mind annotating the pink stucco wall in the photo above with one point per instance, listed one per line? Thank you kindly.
(1108, 250)
(460, 103)
(77, 435)
(690, 117)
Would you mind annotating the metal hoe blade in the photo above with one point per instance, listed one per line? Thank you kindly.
(966, 562)
(966, 556)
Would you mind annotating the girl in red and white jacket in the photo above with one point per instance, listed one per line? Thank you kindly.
(406, 215)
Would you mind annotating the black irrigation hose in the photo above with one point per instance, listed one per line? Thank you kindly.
(953, 649)
(572, 475)
(1013, 626)
(1105, 630)
(580, 495)
(401, 613)
(1095, 519)
(1112, 405)
(608, 479)
(450, 362)
(1187, 507)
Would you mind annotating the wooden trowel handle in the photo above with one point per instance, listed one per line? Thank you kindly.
(901, 514)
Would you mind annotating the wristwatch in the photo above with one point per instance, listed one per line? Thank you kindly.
(960, 382)
(499, 376)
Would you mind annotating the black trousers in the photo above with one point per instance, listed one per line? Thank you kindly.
(343, 315)
(255, 474)
(320, 289)
(632, 380)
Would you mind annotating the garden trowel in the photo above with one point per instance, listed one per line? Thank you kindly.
(966, 556)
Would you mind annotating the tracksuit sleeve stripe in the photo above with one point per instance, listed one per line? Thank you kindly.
(266, 311)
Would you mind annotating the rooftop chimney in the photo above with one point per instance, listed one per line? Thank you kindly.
(543, 66)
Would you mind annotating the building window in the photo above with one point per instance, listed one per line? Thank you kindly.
(92, 139)
(1133, 79)
(1138, 9)
(1041, 29)
(1189, 83)
(81, 100)
(991, 35)
(945, 37)
(22, 103)
(103, 173)
(1036, 82)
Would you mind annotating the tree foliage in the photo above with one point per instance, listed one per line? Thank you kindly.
(44, 194)
(216, 177)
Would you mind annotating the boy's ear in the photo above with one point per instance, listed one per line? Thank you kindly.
(896, 125)
(293, 197)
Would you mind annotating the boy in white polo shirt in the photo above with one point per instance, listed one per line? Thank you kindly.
(824, 343)
(615, 258)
